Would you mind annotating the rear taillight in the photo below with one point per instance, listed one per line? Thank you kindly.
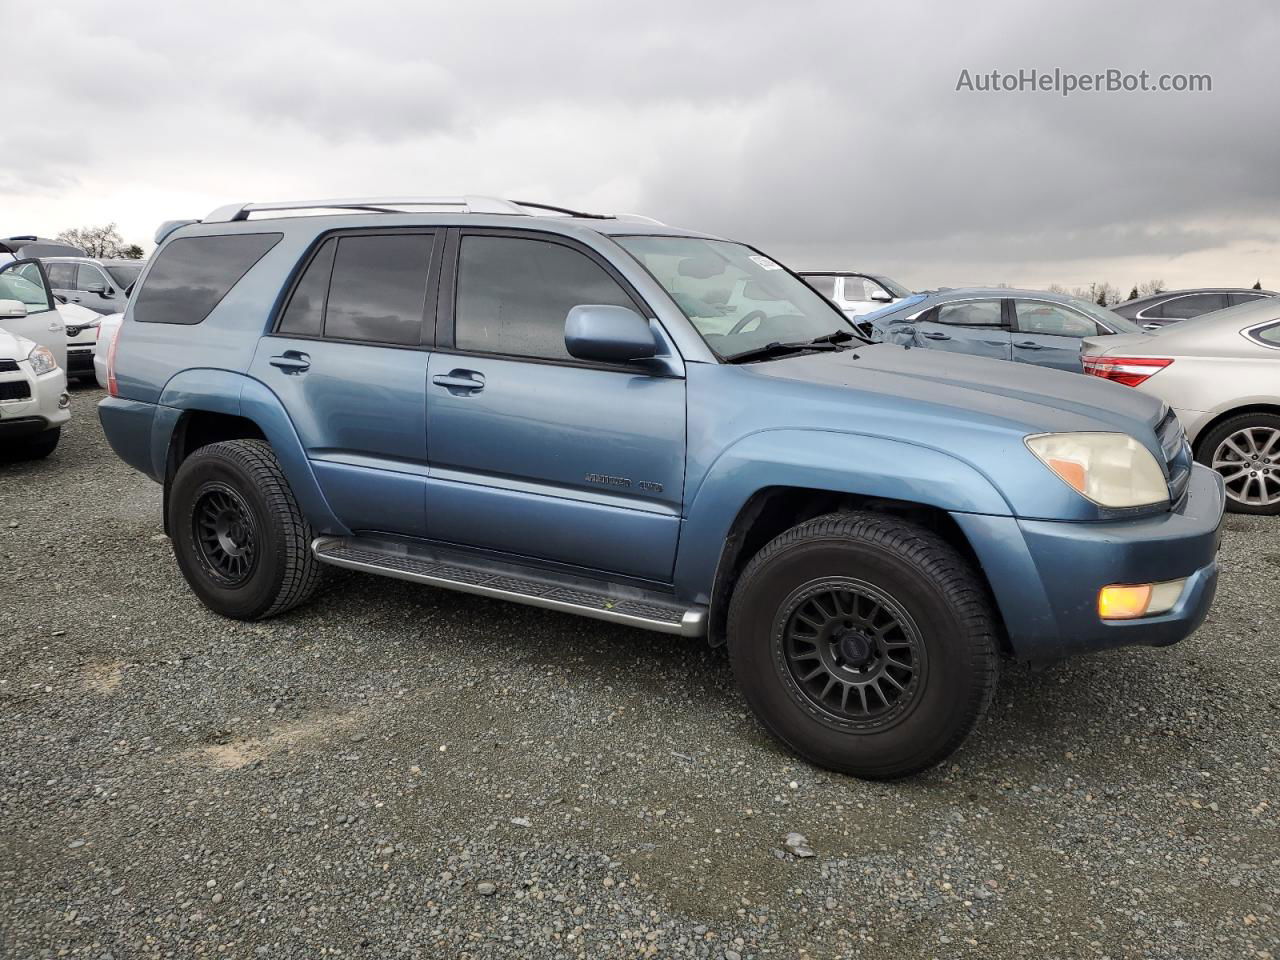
(113, 388)
(1130, 371)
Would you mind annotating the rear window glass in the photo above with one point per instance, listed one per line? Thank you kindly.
(193, 274)
(378, 292)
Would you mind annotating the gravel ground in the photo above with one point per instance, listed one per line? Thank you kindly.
(398, 771)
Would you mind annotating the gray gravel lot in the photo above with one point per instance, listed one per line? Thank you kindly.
(397, 771)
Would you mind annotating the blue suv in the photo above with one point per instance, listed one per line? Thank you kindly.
(615, 418)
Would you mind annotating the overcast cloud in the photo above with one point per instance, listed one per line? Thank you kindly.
(830, 134)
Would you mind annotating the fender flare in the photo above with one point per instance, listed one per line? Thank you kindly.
(221, 391)
(836, 462)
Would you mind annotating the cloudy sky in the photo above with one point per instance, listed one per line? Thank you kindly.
(829, 133)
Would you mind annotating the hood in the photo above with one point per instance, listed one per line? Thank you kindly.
(14, 347)
(74, 315)
(1022, 397)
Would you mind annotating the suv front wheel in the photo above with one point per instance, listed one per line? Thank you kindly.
(864, 643)
(238, 535)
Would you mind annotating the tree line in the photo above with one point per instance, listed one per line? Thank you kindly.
(104, 243)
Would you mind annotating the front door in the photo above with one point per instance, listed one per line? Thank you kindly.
(975, 327)
(532, 452)
(26, 282)
(348, 359)
(1049, 334)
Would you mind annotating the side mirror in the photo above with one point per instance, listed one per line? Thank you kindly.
(97, 287)
(881, 297)
(608, 334)
(12, 309)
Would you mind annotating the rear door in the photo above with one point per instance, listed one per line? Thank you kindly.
(976, 327)
(1048, 334)
(26, 282)
(348, 359)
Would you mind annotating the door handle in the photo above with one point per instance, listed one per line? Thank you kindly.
(460, 382)
(1028, 345)
(996, 343)
(292, 361)
(935, 335)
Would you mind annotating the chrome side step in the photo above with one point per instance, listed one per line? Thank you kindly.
(458, 571)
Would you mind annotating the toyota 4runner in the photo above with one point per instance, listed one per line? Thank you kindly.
(614, 418)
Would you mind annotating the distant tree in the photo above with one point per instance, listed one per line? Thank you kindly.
(1257, 285)
(1151, 287)
(1133, 294)
(132, 252)
(1057, 288)
(95, 241)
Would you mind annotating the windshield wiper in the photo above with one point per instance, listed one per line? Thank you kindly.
(778, 349)
(840, 336)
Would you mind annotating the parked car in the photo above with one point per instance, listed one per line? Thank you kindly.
(82, 334)
(33, 393)
(100, 285)
(558, 410)
(25, 282)
(856, 293)
(1170, 306)
(1026, 326)
(1221, 374)
(107, 328)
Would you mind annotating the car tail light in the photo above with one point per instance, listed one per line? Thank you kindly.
(113, 388)
(1130, 371)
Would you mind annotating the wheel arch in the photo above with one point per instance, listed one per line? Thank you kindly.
(1223, 416)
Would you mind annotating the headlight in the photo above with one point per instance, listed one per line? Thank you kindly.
(42, 361)
(1111, 469)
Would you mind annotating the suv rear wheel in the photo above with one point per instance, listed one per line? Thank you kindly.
(238, 535)
(864, 643)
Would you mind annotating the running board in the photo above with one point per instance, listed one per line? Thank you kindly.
(438, 567)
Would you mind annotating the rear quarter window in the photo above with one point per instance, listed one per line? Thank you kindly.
(193, 274)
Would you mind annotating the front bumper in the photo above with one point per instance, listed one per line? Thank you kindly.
(1046, 574)
(44, 407)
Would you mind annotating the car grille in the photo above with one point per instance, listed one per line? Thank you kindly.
(1177, 455)
(15, 390)
(8, 366)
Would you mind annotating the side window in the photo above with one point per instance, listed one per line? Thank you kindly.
(62, 276)
(856, 288)
(88, 274)
(1182, 308)
(1238, 298)
(379, 288)
(304, 317)
(514, 294)
(824, 285)
(1270, 336)
(971, 313)
(1049, 318)
(193, 274)
(22, 281)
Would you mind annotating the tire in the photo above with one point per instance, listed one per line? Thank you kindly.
(35, 447)
(941, 624)
(1255, 490)
(238, 535)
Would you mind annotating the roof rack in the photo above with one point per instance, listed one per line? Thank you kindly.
(465, 204)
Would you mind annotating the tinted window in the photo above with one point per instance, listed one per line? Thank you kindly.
(62, 276)
(87, 275)
(1238, 298)
(379, 288)
(305, 314)
(124, 274)
(1049, 318)
(193, 274)
(824, 285)
(514, 295)
(1180, 308)
(973, 313)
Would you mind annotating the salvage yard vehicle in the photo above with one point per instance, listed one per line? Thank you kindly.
(555, 408)
(1026, 326)
(1221, 374)
(33, 394)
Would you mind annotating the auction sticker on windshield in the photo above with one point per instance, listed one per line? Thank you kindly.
(765, 263)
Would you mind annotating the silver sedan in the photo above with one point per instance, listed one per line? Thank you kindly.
(1221, 373)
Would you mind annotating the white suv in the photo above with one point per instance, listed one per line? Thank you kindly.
(33, 393)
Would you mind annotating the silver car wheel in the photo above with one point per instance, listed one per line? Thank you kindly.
(1249, 463)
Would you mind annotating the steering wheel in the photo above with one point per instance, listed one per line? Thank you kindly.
(753, 315)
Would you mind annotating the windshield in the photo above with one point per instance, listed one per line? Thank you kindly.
(893, 286)
(1112, 319)
(124, 273)
(737, 299)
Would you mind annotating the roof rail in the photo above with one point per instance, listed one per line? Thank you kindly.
(469, 204)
